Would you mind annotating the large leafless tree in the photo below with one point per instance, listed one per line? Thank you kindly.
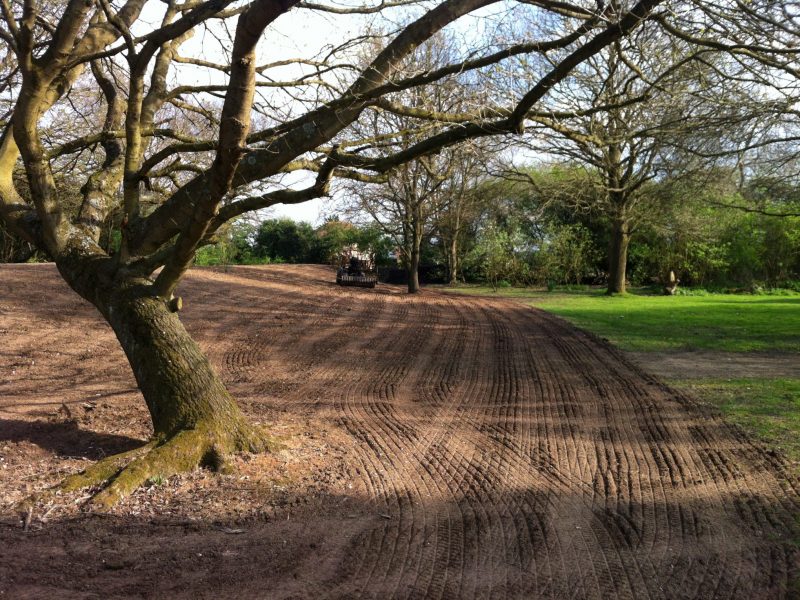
(181, 179)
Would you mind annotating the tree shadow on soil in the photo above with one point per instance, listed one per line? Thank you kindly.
(516, 540)
(66, 438)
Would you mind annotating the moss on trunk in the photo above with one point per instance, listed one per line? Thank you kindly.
(180, 387)
(196, 422)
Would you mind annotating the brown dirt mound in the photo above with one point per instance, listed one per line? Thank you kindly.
(437, 447)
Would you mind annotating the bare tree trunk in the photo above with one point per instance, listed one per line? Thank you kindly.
(618, 256)
(453, 250)
(195, 419)
(413, 267)
(180, 387)
(453, 261)
(416, 242)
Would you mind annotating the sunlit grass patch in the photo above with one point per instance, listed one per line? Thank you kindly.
(768, 408)
(636, 321)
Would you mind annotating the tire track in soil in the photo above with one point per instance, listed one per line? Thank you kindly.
(326, 360)
(243, 332)
(371, 420)
(436, 384)
(514, 459)
(359, 346)
(678, 461)
(659, 448)
(520, 541)
(268, 325)
(458, 472)
(451, 462)
(518, 426)
(514, 456)
(517, 456)
(617, 470)
(385, 387)
(275, 329)
(613, 468)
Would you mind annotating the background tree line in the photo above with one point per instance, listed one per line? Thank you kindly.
(527, 231)
(689, 227)
(287, 241)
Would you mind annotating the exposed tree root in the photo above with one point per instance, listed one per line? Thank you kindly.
(119, 475)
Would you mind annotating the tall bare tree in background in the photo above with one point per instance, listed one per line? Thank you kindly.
(426, 196)
(761, 40)
(179, 185)
(435, 196)
(467, 197)
(404, 205)
(630, 115)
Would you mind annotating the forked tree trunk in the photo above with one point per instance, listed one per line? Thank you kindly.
(618, 256)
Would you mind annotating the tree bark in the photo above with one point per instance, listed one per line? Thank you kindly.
(180, 387)
(618, 256)
(413, 263)
(413, 268)
(452, 249)
(453, 261)
(195, 420)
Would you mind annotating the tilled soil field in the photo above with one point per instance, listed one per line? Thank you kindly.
(435, 447)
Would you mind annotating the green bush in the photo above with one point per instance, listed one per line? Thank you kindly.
(719, 248)
(567, 254)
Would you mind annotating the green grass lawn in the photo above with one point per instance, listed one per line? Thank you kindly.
(731, 322)
(768, 407)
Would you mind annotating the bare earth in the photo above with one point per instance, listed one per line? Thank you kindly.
(436, 447)
(711, 364)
